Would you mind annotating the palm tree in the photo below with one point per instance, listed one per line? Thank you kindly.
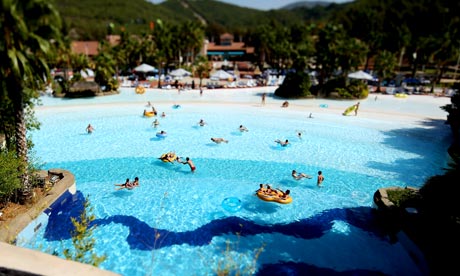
(202, 68)
(26, 28)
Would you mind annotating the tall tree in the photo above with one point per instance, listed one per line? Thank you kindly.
(26, 28)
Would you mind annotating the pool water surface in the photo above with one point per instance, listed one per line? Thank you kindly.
(176, 222)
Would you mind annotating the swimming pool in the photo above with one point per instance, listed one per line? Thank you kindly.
(175, 223)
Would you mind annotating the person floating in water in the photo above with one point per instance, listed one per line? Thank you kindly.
(219, 140)
(89, 129)
(243, 128)
(284, 144)
(156, 123)
(202, 123)
(298, 176)
(127, 185)
(299, 134)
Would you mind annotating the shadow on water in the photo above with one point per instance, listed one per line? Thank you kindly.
(142, 236)
(414, 140)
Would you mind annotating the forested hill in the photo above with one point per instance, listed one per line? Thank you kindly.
(89, 19)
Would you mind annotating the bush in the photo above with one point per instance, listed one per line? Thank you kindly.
(9, 176)
(404, 197)
(295, 85)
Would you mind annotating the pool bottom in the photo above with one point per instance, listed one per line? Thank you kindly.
(348, 240)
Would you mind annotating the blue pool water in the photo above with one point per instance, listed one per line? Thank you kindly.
(176, 222)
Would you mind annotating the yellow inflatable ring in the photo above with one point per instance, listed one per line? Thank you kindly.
(140, 90)
(149, 114)
(165, 158)
(275, 196)
(400, 95)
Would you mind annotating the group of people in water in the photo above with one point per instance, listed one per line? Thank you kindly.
(268, 191)
(172, 157)
(299, 176)
(128, 184)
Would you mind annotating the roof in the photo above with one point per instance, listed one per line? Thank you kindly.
(89, 48)
(226, 36)
(236, 46)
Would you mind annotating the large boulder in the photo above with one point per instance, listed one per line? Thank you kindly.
(84, 89)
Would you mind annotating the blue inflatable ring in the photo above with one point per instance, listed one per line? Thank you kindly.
(323, 105)
(231, 204)
(162, 136)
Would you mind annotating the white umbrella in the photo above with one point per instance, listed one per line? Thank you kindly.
(221, 75)
(360, 75)
(87, 73)
(145, 68)
(179, 73)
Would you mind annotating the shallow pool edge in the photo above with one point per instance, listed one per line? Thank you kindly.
(17, 259)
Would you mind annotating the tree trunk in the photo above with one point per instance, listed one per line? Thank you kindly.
(21, 147)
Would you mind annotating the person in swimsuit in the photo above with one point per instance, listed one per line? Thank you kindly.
(284, 195)
(243, 128)
(155, 123)
(190, 163)
(283, 144)
(89, 129)
(356, 109)
(136, 182)
(261, 189)
(219, 140)
(298, 176)
(320, 178)
(202, 122)
(126, 185)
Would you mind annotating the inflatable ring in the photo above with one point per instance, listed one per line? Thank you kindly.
(165, 158)
(400, 95)
(323, 105)
(274, 196)
(231, 204)
(161, 135)
(176, 106)
(140, 89)
(149, 114)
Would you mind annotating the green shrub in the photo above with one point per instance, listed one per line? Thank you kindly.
(295, 85)
(82, 239)
(9, 176)
(403, 197)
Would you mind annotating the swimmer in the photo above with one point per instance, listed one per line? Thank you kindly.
(285, 143)
(202, 123)
(320, 178)
(219, 140)
(155, 123)
(89, 129)
(243, 128)
(298, 176)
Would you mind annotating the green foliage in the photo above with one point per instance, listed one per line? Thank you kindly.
(403, 197)
(9, 175)
(295, 85)
(82, 239)
(230, 262)
(356, 89)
